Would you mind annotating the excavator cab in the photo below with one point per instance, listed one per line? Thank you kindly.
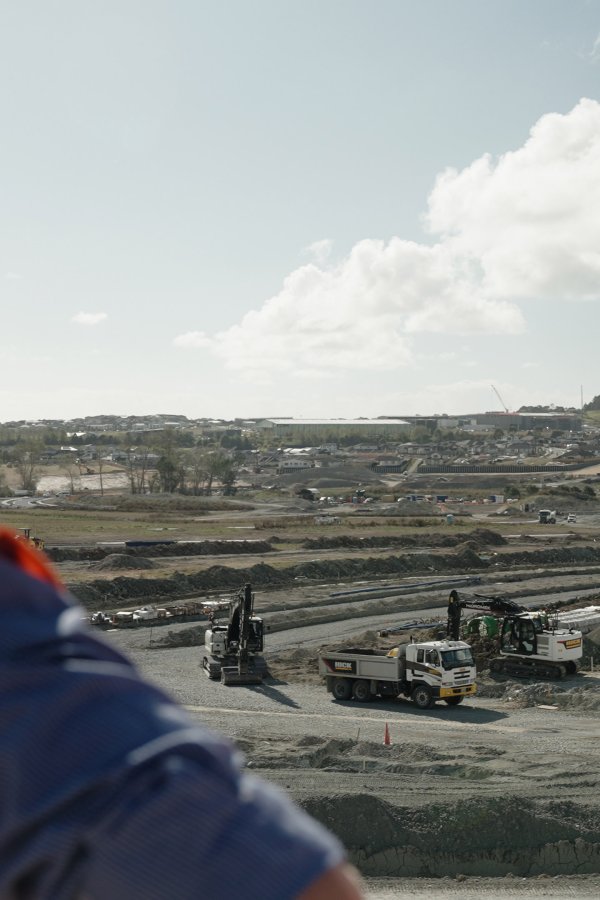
(518, 636)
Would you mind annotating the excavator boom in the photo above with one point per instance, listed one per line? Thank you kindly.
(494, 606)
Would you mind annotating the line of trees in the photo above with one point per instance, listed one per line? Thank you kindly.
(172, 463)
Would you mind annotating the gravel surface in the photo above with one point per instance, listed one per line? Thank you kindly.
(514, 777)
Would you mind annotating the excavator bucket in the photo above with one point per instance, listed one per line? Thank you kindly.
(233, 675)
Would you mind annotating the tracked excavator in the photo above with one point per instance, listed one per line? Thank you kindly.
(232, 651)
(530, 643)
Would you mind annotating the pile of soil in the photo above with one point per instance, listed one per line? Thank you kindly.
(104, 594)
(115, 561)
(480, 538)
(494, 836)
(166, 549)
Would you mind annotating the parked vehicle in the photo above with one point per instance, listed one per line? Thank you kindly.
(424, 672)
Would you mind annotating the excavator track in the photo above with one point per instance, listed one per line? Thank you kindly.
(528, 668)
(212, 668)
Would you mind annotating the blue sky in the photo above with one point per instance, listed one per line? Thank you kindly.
(289, 207)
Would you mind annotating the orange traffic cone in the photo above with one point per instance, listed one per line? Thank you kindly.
(386, 736)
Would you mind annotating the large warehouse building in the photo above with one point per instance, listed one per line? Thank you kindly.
(321, 429)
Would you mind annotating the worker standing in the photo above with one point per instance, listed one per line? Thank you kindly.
(111, 792)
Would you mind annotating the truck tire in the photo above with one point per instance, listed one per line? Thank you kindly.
(361, 690)
(422, 696)
(453, 701)
(342, 689)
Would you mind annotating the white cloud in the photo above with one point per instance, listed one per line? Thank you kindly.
(319, 251)
(192, 339)
(531, 220)
(524, 226)
(82, 318)
(12, 276)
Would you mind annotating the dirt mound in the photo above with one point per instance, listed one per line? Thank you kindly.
(330, 476)
(103, 594)
(495, 836)
(115, 561)
(583, 696)
(185, 637)
(156, 549)
(478, 539)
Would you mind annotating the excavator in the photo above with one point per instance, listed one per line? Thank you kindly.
(232, 652)
(530, 643)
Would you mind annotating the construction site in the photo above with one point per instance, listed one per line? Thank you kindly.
(425, 686)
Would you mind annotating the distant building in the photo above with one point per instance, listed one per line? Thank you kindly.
(294, 465)
(317, 428)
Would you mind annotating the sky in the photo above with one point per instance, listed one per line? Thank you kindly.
(308, 208)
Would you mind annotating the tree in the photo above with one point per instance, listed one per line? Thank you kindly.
(220, 467)
(137, 467)
(100, 471)
(169, 474)
(593, 404)
(69, 471)
(227, 476)
(196, 469)
(26, 456)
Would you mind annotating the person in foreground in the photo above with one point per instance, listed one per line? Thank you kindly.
(109, 791)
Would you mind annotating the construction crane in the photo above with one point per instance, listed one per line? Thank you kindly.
(497, 393)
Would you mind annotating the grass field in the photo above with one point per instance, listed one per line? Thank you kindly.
(73, 526)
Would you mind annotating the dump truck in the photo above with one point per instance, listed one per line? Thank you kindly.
(424, 672)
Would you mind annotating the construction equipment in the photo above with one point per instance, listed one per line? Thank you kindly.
(232, 652)
(530, 642)
(425, 672)
(32, 539)
(547, 517)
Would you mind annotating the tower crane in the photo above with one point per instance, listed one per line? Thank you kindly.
(497, 393)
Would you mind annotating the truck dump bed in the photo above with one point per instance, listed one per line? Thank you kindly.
(364, 663)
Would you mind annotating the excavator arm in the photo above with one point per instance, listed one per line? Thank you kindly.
(494, 606)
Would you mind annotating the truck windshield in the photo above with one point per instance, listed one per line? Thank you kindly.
(452, 659)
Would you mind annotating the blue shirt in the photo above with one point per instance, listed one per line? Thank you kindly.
(108, 790)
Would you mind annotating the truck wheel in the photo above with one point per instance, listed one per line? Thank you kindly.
(422, 696)
(361, 691)
(454, 701)
(342, 689)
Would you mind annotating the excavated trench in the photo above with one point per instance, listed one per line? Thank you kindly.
(489, 836)
(416, 834)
